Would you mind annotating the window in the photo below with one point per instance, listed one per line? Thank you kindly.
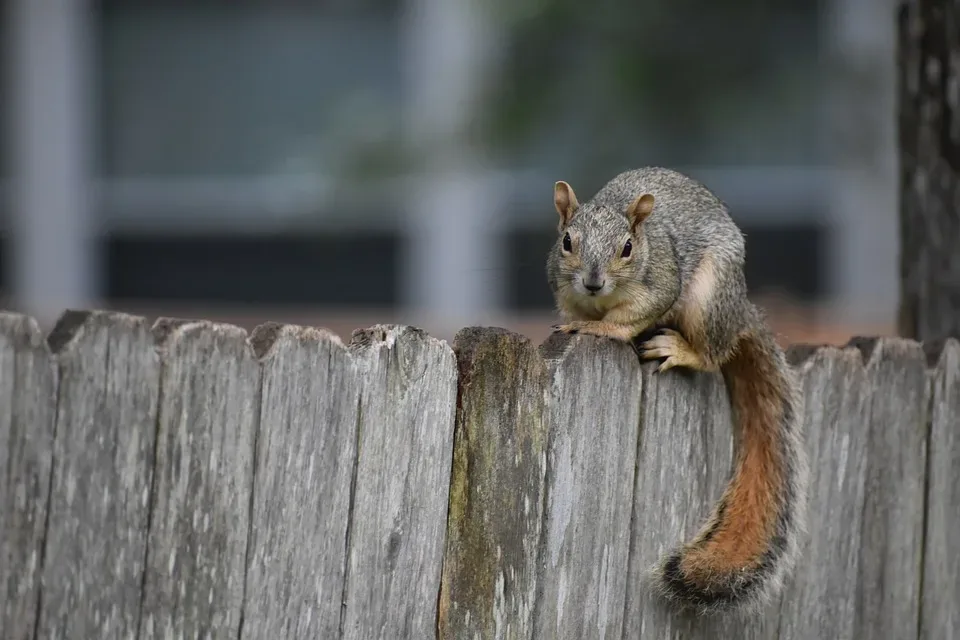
(241, 114)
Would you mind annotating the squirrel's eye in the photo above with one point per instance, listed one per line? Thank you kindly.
(627, 248)
(567, 245)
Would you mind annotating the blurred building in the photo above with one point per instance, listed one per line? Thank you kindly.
(394, 160)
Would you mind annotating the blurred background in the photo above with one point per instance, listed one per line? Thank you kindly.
(347, 162)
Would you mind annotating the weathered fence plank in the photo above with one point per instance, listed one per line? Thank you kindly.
(99, 498)
(685, 419)
(497, 489)
(891, 552)
(209, 410)
(820, 598)
(398, 521)
(940, 617)
(306, 449)
(593, 416)
(27, 406)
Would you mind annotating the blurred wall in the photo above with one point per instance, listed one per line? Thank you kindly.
(396, 159)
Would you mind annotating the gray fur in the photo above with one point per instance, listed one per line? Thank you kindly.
(683, 208)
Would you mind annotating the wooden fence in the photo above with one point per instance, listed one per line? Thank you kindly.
(187, 480)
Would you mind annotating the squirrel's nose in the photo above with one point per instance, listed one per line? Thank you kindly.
(592, 286)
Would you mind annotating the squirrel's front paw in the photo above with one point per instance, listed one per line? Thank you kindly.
(672, 346)
(596, 328)
(571, 328)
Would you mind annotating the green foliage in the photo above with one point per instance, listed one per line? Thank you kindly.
(609, 63)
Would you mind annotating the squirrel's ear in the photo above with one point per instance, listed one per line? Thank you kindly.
(638, 211)
(566, 202)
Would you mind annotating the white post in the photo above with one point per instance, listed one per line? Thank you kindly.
(453, 269)
(52, 245)
(861, 62)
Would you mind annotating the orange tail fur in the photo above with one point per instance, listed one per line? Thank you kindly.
(739, 557)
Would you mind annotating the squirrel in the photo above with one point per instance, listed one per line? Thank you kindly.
(656, 252)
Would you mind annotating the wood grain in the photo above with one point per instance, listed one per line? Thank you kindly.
(684, 463)
(209, 410)
(820, 598)
(407, 408)
(497, 489)
(103, 459)
(940, 616)
(890, 552)
(306, 450)
(188, 482)
(27, 413)
(593, 413)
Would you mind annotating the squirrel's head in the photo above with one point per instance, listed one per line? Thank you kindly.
(600, 252)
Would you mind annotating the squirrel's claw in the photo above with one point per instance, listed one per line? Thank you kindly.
(565, 328)
(669, 363)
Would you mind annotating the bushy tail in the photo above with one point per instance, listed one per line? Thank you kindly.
(740, 556)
